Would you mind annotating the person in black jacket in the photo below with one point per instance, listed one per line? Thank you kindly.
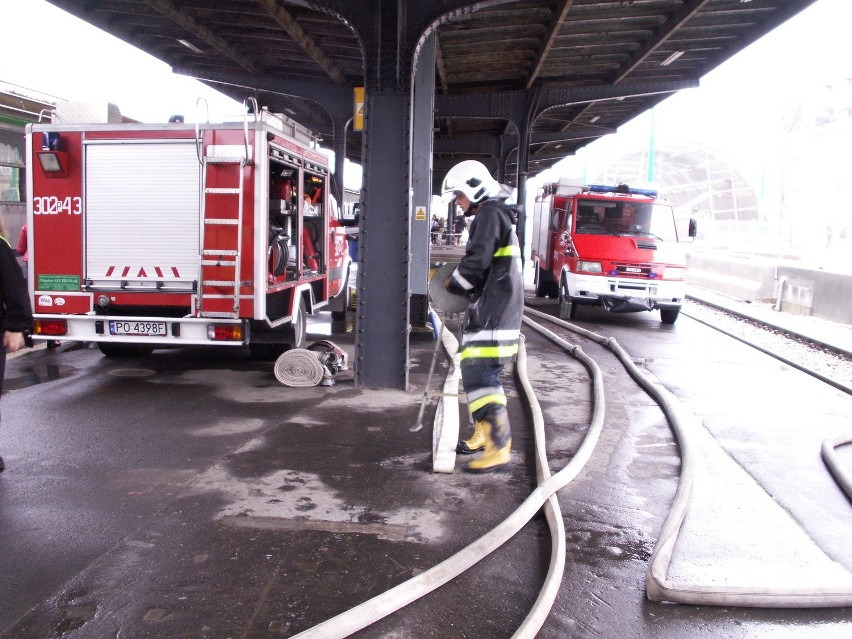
(15, 310)
(489, 275)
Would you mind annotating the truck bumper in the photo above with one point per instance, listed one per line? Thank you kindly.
(160, 332)
(625, 294)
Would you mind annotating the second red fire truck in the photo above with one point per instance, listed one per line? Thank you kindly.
(610, 246)
(153, 235)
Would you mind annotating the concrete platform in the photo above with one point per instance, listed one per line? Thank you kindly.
(207, 501)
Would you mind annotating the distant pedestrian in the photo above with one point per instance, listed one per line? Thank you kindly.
(489, 275)
(15, 311)
(458, 229)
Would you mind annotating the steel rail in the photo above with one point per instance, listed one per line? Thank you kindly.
(766, 351)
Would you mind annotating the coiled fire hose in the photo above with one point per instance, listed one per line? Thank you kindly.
(318, 363)
(403, 594)
(657, 585)
(299, 367)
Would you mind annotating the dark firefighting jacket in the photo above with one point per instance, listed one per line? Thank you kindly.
(490, 275)
(15, 309)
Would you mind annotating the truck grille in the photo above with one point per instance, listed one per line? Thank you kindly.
(633, 270)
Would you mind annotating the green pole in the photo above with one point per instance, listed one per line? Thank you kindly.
(651, 146)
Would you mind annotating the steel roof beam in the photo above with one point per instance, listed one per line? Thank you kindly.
(510, 105)
(553, 28)
(287, 22)
(331, 96)
(173, 13)
(686, 12)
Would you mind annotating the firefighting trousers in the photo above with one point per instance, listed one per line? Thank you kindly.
(482, 386)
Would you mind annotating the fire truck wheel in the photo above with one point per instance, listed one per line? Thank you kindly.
(297, 331)
(567, 307)
(544, 284)
(540, 284)
(293, 336)
(669, 315)
(124, 350)
(340, 316)
(266, 352)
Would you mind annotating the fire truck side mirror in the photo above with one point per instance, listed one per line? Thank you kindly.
(693, 227)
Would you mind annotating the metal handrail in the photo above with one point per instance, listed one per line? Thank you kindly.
(245, 123)
(197, 128)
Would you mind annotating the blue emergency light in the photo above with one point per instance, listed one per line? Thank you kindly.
(621, 188)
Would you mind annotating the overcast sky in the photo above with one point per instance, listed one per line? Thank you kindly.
(47, 50)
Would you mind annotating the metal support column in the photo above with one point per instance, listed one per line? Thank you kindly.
(423, 120)
(524, 134)
(381, 346)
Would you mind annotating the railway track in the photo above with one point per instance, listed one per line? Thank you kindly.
(820, 360)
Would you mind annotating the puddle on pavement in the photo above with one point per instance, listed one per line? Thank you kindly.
(38, 374)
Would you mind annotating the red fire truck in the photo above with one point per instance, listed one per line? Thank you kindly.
(145, 236)
(610, 246)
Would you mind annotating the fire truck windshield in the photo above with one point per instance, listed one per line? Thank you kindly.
(637, 219)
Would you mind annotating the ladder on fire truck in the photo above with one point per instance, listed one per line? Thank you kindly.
(222, 226)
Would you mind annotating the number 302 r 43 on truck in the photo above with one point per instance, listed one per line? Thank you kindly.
(609, 246)
(152, 235)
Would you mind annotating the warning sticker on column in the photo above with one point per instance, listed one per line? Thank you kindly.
(58, 282)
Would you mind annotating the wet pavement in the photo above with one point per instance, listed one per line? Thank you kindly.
(188, 494)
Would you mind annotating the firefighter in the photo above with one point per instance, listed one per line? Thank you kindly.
(489, 275)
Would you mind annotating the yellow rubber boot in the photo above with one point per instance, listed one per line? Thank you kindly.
(475, 442)
(498, 445)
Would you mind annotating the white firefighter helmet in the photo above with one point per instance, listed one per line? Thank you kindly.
(471, 178)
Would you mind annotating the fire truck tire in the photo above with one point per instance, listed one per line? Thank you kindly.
(540, 285)
(344, 297)
(124, 350)
(544, 284)
(669, 315)
(263, 352)
(567, 306)
(292, 336)
(298, 330)
(340, 316)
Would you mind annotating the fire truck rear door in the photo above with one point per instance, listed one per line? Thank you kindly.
(142, 213)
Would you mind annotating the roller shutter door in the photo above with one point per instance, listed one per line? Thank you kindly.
(142, 212)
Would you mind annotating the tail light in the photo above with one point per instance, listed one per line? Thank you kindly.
(225, 332)
(51, 327)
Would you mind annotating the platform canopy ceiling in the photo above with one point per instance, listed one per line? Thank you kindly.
(494, 47)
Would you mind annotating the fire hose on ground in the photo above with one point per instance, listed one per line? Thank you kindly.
(658, 588)
(657, 585)
(403, 594)
(312, 366)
